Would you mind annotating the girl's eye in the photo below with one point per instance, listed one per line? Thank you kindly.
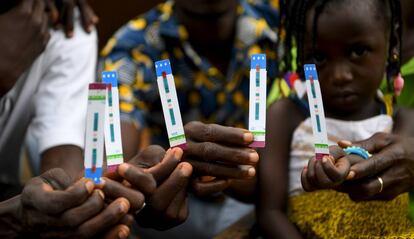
(358, 52)
(319, 58)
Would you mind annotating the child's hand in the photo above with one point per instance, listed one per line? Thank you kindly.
(329, 172)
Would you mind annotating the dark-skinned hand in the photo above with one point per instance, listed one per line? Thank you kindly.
(327, 173)
(24, 36)
(392, 160)
(220, 152)
(162, 180)
(50, 206)
(61, 13)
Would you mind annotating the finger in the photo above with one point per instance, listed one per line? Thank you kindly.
(175, 183)
(362, 190)
(42, 196)
(338, 172)
(88, 16)
(222, 171)
(162, 170)
(322, 180)
(76, 216)
(114, 189)
(67, 17)
(212, 152)
(307, 186)
(174, 208)
(119, 231)
(57, 178)
(38, 11)
(183, 213)
(311, 174)
(336, 152)
(376, 143)
(107, 218)
(26, 6)
(139, 179)
(376, 163)
(53, 11)
(200, 132)
(203, 189)
(150, 156)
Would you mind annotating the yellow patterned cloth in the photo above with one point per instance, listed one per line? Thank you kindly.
(330, 214)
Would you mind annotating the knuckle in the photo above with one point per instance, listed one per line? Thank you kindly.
(208, 132)
(191, 127)
(206, 150)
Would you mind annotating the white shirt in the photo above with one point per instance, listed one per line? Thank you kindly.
(50, 99)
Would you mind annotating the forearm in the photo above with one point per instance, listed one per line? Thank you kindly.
(66, 157)
(10, 220)
(274, 223)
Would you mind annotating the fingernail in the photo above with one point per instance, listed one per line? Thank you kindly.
(122, 234)
(248, 137)
(123, 168)
(324, 159)
(100, 193)
(89, 186)
(186, 169)
(346, 142)
(206, 179)
(89, 28)
(178, 153)
(251, 172)
(70, 34)
(254, 157)
(124, 205)
(351, 175)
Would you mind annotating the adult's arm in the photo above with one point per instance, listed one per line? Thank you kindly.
(61, 101)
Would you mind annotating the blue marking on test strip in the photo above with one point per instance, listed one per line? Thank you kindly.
(110, 98)
(163, 66)
(310, 70)
(257, 111)
(95, 121)
(94, 157)
(110, 77)
(172, 116)
(318, 123)
(166, 87)
(111, 127)
(258, 59)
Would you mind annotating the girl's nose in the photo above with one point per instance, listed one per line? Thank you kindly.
(341, 73)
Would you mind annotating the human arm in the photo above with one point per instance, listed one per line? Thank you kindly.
(58, 125)
(273, 172)
(24, 36)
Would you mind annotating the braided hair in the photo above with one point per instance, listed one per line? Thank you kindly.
(296, 29)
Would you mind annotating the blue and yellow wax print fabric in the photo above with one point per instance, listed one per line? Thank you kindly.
(204, 93)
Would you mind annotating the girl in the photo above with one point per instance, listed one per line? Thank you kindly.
(354, 44)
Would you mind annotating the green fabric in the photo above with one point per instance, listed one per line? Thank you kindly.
(407, 99)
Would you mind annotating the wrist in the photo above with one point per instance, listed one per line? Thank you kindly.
(10, 217)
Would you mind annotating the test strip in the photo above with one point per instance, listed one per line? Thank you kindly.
(170, 107)
(316, 110)
(113, 140)
(257, 100)
(94, 139)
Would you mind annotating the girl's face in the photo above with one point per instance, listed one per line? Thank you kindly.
(350, 53)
